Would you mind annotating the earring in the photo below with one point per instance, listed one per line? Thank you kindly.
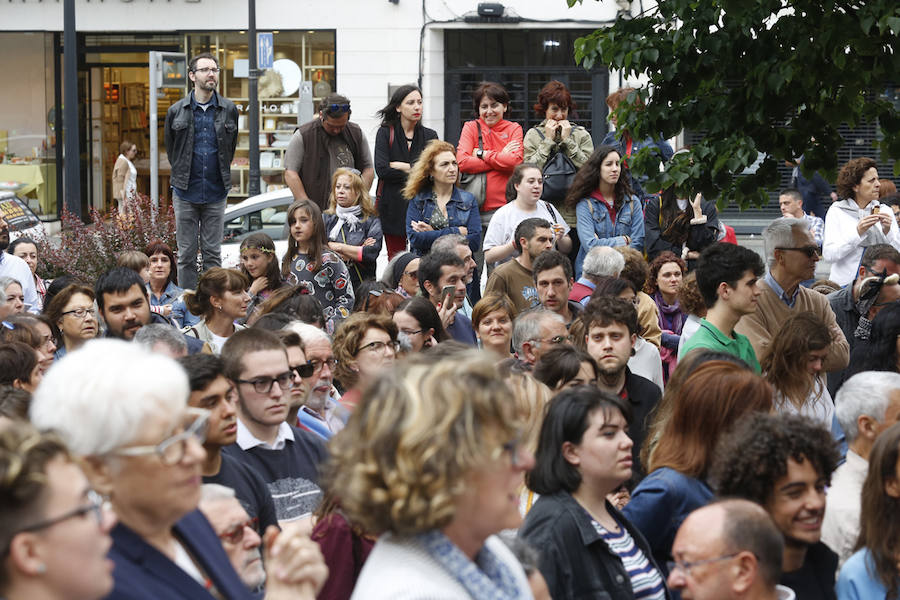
(41, 568)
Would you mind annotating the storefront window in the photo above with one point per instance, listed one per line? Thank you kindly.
(27, 137)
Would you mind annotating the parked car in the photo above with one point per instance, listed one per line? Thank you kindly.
(266, 213)
(21, 219)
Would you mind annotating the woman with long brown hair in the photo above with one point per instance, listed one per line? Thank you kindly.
(707, 404)
(793, 367)
(874, 570)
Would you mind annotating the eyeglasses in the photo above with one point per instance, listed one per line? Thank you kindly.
(213, 70)
(557, 339)
(81, 313)
(685, 567)
(263, 385)
(235, 533)
(305, 370)
(416, 332)
(380, 347)
(336, 109)
(318, 364)
(512, 447)
(171, 450)
(94, 506)
(809, 251)
(411, 274)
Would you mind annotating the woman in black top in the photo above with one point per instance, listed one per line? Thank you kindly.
(398, 143)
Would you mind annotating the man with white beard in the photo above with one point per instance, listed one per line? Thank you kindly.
(322, 414)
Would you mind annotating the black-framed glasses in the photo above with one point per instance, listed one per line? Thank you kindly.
(94, 506)
(416, 332)
(685, 567)
(213, 70)
(318, 364)
(263, 385)
(80, 313)
(380, 347)
(305, 370)
(235, 533)
(171, 450)
(336, 109)
(809, 251)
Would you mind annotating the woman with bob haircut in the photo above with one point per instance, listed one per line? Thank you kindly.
(436, 205)
(72, 311)
(19, 366)
(607, 211)
(221, 299)
(857, 220)
(873, 571)
(146, 456)
(715, 395)
(54, 528)
(27, 249)
(564, 367)
(310, 264)
(556, 133)
(352, 225)
(398, 144)
(583, 455)
(419, 324)
(438, 477)
(166, 298)
(492, 319)
(364, 346)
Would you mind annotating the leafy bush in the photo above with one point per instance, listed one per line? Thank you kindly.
(85, 250)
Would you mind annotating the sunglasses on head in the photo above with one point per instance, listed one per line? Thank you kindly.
(336, 109)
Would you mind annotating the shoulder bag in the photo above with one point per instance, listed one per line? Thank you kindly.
(558, 172)
(475, 183)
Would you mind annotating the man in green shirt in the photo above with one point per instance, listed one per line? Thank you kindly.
(727, 276)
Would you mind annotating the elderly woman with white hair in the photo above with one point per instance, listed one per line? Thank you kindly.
(866, 405)
(124, 411)
(600, 262)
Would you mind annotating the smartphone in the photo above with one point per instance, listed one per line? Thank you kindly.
(446, 292)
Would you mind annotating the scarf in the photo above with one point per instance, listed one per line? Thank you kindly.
(349, 216)
(869, 290)
(488, 578)
(671, 317)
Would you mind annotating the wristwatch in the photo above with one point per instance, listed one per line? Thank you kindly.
(480, 153)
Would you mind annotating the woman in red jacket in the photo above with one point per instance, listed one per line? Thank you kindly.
(500, 151)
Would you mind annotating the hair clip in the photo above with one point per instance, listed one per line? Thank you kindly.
(258, 249)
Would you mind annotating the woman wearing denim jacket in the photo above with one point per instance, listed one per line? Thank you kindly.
(608, 214)
(166, 298)
(437, 207)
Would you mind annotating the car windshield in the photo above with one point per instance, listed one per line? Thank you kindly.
(269, 220)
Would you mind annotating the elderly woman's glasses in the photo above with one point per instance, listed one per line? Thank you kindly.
(94, 506)
(80, 313)
(172, 450)
(235, 533)
(263, 385)
(380, 347)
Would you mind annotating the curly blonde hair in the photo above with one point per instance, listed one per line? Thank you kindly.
(359, 188)
(410, 446)
(421, 170)
(348, 338)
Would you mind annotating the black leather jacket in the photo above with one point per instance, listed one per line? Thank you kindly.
(179, 134)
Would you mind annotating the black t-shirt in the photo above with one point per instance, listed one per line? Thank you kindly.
(249, 488)
(815, 579)
(291, 474)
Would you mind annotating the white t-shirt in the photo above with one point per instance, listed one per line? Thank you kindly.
(504, 222)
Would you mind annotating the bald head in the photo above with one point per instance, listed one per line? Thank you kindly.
(727, 550)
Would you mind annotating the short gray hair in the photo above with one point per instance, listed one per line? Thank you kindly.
(5, 282)
(603, 261)
(149, 335)
(99, 397)
(215, 492)
(780, 234)
(449, 242)
(308, 333)
(866, 393)
(527, 326)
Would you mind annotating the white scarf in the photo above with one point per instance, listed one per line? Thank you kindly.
(349, 215)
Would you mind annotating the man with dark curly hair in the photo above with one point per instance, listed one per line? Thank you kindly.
(783, 463)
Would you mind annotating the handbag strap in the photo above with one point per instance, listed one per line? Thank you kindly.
(549, 208)
(480, 143)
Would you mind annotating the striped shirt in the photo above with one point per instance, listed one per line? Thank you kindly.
(646, 581)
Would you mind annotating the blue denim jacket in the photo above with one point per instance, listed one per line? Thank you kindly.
(462, 211)
(173, 295)
(595, 228)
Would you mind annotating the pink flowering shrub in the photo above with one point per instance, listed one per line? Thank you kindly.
(85, 250)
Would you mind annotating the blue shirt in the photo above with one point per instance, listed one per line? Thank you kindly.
(789, 300)
(205, 184)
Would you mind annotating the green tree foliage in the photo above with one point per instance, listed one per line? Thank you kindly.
(774, 76)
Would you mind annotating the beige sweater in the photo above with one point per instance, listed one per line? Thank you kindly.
(772, 312)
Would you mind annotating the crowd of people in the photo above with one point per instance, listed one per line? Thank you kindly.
(628, 408)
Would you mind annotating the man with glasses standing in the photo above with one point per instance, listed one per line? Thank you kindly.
(287, 457)
(321, 146)
(200, 134)
(792, 254)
